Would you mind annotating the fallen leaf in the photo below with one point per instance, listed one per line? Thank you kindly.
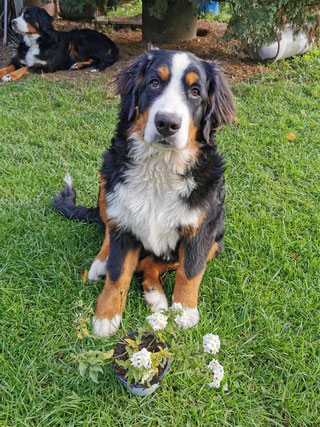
(303, 112)
(294, 256)
(290, 136)
(300, 237)
(84, 275)
(79, 336)
(236, 122)
(65, 164)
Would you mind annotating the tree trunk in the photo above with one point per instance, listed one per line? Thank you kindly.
(179, 22)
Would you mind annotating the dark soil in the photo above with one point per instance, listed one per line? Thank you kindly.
(149, 342)
(207, 45)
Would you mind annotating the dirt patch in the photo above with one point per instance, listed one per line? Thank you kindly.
(207, 45)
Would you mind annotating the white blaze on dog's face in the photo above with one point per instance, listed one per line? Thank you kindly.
(20, 25)
(171, 99)
(171, 103)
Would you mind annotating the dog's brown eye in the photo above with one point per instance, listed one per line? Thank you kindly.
(155, 83)
(195, 92)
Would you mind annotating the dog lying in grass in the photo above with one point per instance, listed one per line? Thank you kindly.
(43, 49)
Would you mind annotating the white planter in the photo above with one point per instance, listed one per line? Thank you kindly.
(292, 42)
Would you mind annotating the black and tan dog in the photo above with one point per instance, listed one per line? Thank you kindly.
(162, 187)
(45, 50)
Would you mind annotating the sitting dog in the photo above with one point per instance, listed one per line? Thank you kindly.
(45, 50)
(162, 190)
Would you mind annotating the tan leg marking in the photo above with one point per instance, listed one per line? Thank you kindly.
(82, 64)
(112, 300)
(152, 282)
(18, 74)
(99, 264)
(213, 251)
(186, 289)
(6, 70)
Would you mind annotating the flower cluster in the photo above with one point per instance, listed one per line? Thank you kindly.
(218, 373)
(157, 321)
(211, 343)
(181, 318)
(147, 376)
(141, 359)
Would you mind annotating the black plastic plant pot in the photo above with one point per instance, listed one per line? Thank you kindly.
(119, 349)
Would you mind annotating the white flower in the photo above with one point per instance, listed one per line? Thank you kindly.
(147, 376)
(141, 359)
(218, 372)
(178, 306)
(215, 384)
(181, 318)
(213, 365)
(157, 321)
(211, 343)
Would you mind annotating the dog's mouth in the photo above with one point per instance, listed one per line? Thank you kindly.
(163, 143)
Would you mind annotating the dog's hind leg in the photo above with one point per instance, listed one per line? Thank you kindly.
(81, 64)
(152, 282)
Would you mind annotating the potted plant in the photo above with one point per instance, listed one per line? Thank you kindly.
(142, 358)
(274, 30)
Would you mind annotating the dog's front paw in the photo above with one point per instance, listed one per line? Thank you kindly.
(156, 300)
(6, 78)
(74, 66)
(94, 70)
(104, 327)
(188, 317)
(97, 270)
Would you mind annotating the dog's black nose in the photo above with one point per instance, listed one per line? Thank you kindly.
(167, 124)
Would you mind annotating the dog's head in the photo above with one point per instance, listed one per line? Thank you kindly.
(32, 20)
(174, 98)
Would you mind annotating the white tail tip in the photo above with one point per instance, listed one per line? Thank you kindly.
(68, 180)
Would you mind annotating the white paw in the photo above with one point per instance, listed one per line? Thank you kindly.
(104, 327)
(157, 300)
(97, 270)
(191, 319)
(94, 70)
(6, 78)
(74, 66)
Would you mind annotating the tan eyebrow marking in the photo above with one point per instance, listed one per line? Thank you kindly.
(163, 72)
(191, 78)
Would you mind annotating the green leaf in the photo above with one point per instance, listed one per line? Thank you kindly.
(109, 354)
(82, 369)
(93, 375)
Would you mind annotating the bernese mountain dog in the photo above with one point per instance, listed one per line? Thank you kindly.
(162, 189)
(43, 49)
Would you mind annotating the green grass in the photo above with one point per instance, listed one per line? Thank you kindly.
(263, 304)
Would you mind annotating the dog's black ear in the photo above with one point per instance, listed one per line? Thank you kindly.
(45, 21)
(220, 109)
(129, 80)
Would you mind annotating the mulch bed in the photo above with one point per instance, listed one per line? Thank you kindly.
(207, 45)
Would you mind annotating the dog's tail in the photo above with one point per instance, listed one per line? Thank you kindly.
(65, 204)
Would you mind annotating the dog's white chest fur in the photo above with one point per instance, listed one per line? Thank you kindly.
(31, 57)
(149, 203)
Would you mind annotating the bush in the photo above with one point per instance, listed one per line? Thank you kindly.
(259, 22)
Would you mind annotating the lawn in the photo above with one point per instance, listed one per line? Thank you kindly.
(261, 295)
